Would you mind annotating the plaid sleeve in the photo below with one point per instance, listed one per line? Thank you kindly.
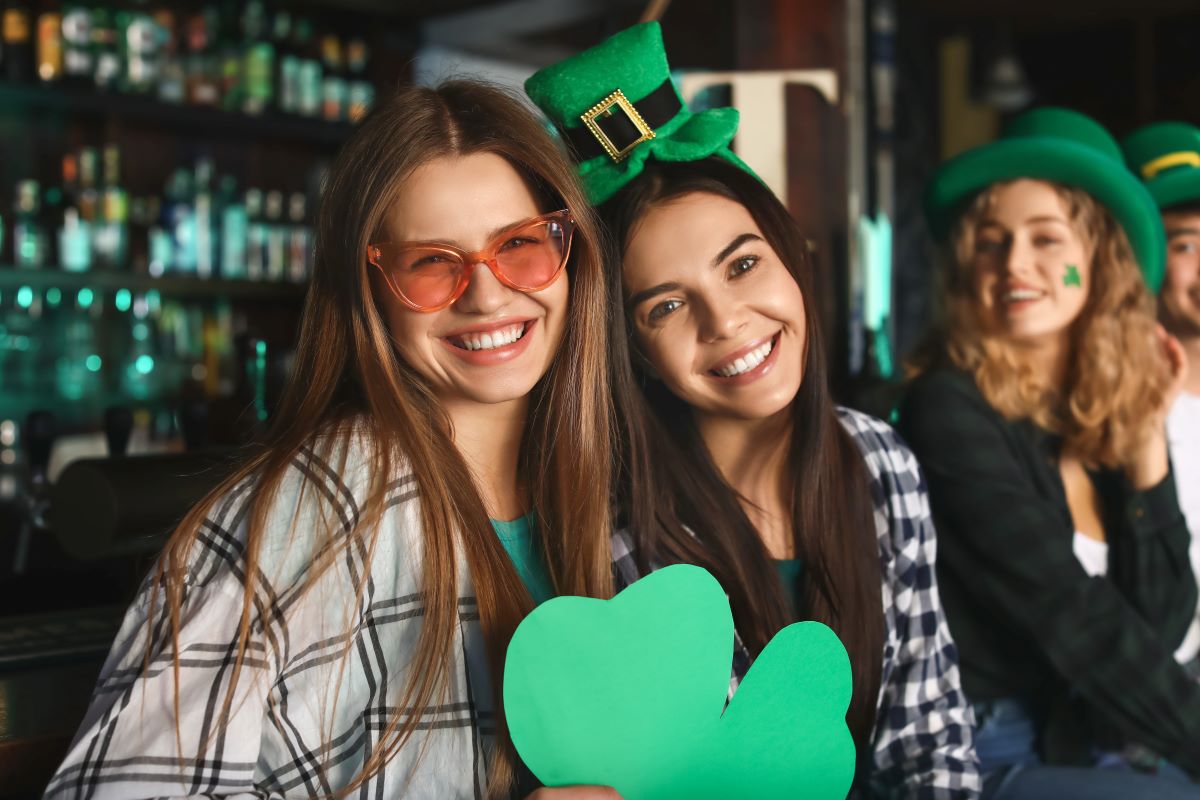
(924, 731)
(127, 746)
(625, 568)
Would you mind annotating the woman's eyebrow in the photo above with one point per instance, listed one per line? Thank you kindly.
(737, 242)
(645, 294)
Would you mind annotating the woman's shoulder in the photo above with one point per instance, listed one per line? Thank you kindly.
(316, 498)
(889, 460)
(939, 406)
(897, 485)
(933, 391)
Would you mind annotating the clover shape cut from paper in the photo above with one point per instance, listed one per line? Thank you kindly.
(631, 693)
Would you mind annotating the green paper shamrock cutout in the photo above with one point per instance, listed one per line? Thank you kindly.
(1071, 278)
(630, 693)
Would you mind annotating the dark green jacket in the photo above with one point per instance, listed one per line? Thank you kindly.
(1027, 619)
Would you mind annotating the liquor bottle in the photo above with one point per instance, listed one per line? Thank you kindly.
(160, 242)
(122, 19)
(230, 60)
(70, 177)
(287, 72)
(299, 240)
(308, 75)
(69, 191)
(115, 211)
(74, 242)
(77, 45)
(200, 64)
(88, 200)
(360, 92)
(106, 57)
(20, 370)
(256, 236)
(172, 84)
(29, 240)
(204, 218)
(233, 230)
(333, 86)
(180, 221)
(50, 44)
(259, 70)
(73, 378)
(276, 236)
(140, 370)
(145, 42)
(17, 43)
(50, 218)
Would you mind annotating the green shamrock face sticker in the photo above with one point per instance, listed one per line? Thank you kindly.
(630, 693)
(1071, 277)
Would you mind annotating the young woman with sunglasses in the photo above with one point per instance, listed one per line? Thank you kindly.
(734, 456)
(333, 619)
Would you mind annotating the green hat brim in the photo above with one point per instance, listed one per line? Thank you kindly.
(1060, 161)
(1174, 188)
(688, 137)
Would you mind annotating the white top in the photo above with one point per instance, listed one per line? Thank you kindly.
(1092, 554)
(1183, 436)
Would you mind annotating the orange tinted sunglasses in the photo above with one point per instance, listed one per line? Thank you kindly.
(428, 277)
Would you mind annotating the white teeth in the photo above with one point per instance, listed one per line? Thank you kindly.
(490, 341)
(747, 362)
(1019, 295)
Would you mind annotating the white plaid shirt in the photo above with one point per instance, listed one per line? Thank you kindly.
(284, 710)
(924, 727)
(272, 747)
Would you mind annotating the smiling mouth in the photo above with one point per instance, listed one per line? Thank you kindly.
(749, 361)
(491, 340)
(1012, 296)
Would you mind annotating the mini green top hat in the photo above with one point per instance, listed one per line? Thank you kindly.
(1166, 155)
(1063, 146)
(617, 106)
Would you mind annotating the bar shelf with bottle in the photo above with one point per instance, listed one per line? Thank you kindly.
(192, 120)
(163, 166)
(232, 69)
(175, 286)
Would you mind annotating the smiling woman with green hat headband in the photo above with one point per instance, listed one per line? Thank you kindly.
(1037, 414)
(734, 456)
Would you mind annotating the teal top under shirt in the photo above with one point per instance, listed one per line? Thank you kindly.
(517, 536)
(790, 570)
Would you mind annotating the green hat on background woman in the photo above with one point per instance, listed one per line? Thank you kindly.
(1062, 146)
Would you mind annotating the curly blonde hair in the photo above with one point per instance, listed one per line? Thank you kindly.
(1102, 412)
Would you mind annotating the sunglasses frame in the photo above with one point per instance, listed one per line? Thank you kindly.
(486, 256)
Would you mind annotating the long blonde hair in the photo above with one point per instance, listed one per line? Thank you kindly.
(349, 381)
(1117, 373)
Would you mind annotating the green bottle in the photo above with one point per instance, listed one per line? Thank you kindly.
(29, 240)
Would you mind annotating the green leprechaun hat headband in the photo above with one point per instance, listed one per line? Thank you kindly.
(1063, 146)
(618, 107)
(1166, 156)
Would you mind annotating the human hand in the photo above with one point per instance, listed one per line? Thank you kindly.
(1149, 463)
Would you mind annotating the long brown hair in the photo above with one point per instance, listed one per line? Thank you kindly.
(668, 484)
(349, 381)
(1100, 412)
